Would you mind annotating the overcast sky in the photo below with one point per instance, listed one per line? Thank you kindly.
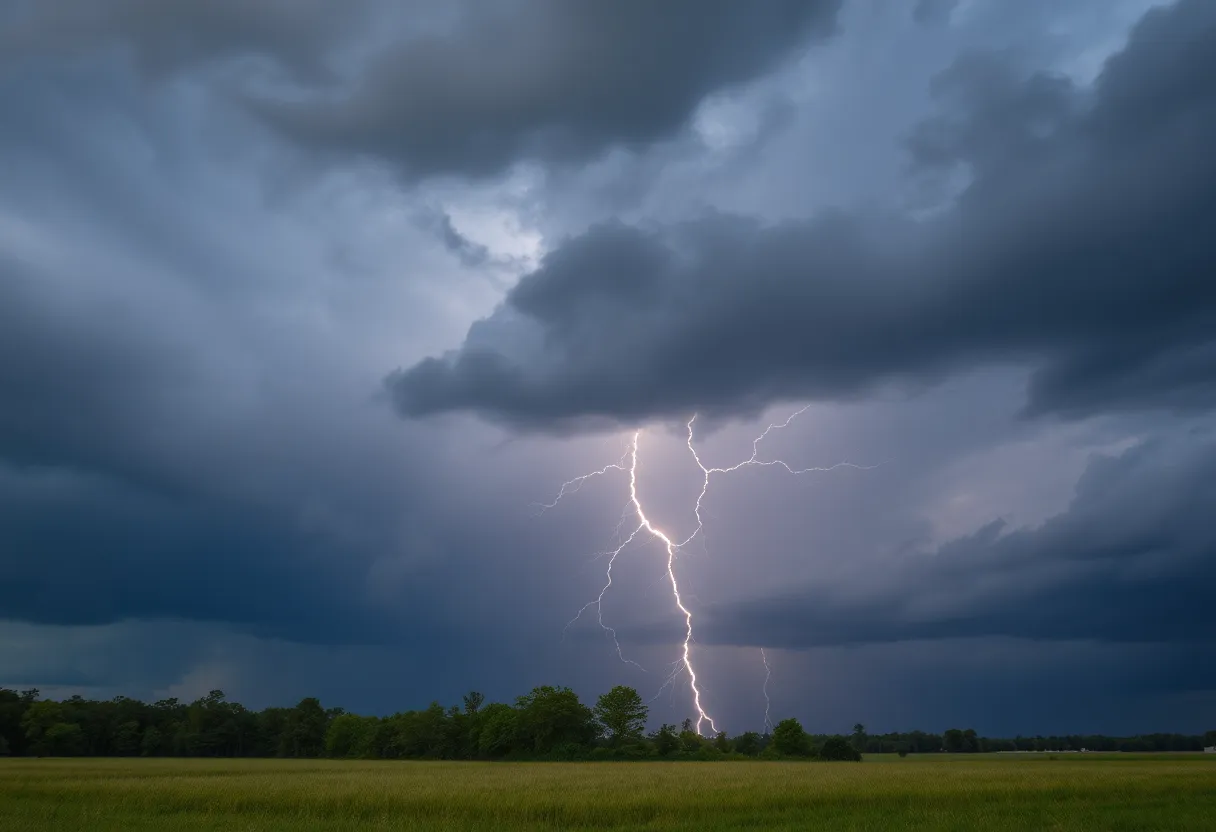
(306, 306)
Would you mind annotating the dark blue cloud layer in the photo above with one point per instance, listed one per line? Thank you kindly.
(1130, 561)
(1080, 248)
(552, 80)
(156, 463)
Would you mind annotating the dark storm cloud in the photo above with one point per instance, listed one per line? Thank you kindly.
(118, 553)
(549, 80)
(154, 461)
(105, 515)
(117, 502)
(933, 12)
(65, 386)
(469, 253)
(166, 35)
(1081, 246)
(1132, 559)
(196, 483)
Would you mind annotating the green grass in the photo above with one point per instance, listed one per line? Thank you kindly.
(921, 792)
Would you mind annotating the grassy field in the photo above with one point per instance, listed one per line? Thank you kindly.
(926, 792)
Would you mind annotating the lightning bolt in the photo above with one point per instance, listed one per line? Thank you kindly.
(629, 463)
(598, 603)
(768, 723)
(570, 486)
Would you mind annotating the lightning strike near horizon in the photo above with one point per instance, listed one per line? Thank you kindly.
(768, 723)
(629, 463)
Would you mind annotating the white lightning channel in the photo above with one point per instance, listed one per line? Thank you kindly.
(598, 603)
(754, 459)
(629, 463)
(671, 547)
(570, 486)
(768, 723)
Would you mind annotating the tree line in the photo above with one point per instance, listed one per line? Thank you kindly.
(548, 723)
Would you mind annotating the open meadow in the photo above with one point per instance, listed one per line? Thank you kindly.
(1168, 791)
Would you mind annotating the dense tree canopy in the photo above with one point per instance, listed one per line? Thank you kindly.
(790, 739)
(838, 748)
(622, 713)
(546, 723)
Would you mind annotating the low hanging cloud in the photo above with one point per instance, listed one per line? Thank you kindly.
(1081, 247)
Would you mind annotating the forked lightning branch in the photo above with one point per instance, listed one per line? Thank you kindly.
(645, 528)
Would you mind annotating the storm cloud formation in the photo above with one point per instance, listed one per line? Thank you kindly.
(550, 80)
(931, 12)
(1081, 247)
(1129, 561)
(223, 224)
(164, 37)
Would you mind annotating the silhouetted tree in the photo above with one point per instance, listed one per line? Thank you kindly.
(152, 742)
(37, 720)
(64, 739)
(838, 748)
(550, 717)
(499, 732)
(13, 706)
(665, 740)
(349, 735)
(622, 713)
(472, 702)
(304, 731)
(549, 722)
(691, 741)
(127, 738)
(748, 743)
(790, 739)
